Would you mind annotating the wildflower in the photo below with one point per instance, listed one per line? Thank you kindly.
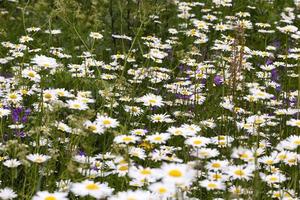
(38, 158)
(218, 80)
(217, 165)
(7, 194)
(31, 75)
(45, 62)
(274, 178)
(197, 141)
(77, 105)
(181, 174)
(240, 172)
(134, 195)
(45, 195)
(212, 185)
(94, 127)
(293, 122)
(96, 35)
(12, 163)
(163, 190)
(151, 100)
(126, 139)
(94, 189)
(4, 112)
(158, 138)
(107, 122)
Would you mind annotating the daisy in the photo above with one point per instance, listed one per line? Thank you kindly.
(294, 141)
(38, 158)
(4, 112)
(161, 118)
(179, 131)
(291, 159)
(240, 172)
(45, 195)
(133, 110)
(122, 169)
(139, 132)
(77, 105)
(45, 62)
(132, 195)
(181, 174)
(212, 185)
(217, 176)
(151, 100)
(12, 163)
(49, 95)
(137, 152)
(288, 29)
(13, 97)
(269, 160)
(126, 139)
(197, 141)
(31, 75)
(293, 122)
(63, 127)
(163, 190)
(107, 122)
(158, 138)
(217, 165)
(7, 194)
(93, 127)
(205, 153)
(94, 189)
(274, 178)
(237, 190)
(141, 173)
(243, 154)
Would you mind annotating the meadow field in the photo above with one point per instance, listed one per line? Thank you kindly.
(150, 99)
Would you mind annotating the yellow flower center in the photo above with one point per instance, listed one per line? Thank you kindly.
(244, 155)
(239, 172)
(92, 186)
(31, 74)
(76, 105)
(50, 198)
(152, 101)
(127, 139)
(216, 165)
(273, 179)
(13, 96)
(106, 122)
(158, 138)
(178, 132)
(131, 198)
(175, 173)
(48, 96)
(212, 185)
(292, 160)
(145, 171)
(269, 162)
(217, 176)
(282, 157)
(297, 142)
(162, 190)
(92, 128)
(39, 160)
(197, 142)
(123, 168)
